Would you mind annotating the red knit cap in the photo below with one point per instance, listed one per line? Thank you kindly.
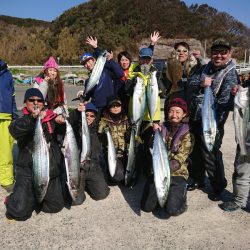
(178, 102)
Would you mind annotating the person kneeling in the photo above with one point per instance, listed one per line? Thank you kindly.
(117, 123)
(91, 176)
(175, 132)
(23, 201)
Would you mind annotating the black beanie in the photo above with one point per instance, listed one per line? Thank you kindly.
(33, 92)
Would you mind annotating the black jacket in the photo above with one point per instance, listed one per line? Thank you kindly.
(22, 129)
(76, 123)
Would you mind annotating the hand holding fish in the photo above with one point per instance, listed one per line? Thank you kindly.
(106, 129)
(79, 93)
(92, 41)
(235, 89)
(60, 119)
(207, 81)
(35, 112)
(81, 106)
(156, 126)
(133, 126)
(110, 55)
(154, 37)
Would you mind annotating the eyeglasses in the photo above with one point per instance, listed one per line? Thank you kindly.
(221, 52)
(182, 50)
(116, 105)
(91, 116)
(33, 100)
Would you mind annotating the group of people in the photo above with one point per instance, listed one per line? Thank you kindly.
(109, 107)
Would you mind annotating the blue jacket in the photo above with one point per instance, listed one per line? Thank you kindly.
(105, 88)
(7, 91)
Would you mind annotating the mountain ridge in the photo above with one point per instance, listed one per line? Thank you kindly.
(118, 25)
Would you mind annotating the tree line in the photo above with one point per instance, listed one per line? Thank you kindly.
(118, 25)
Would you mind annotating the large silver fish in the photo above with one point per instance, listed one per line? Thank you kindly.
(111, 154)
(71, 159)
(130, 168)
(86, 147)
(96, 72)
(152, 95)
(241, 117)
(161, 168)
(209, 124)
(41, 164)
(139, 103)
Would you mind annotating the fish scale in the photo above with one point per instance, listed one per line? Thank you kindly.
(111, 154)
(130, 168)
(96, 72)
(209, 124)
(71, 159)
(161, 168)
(241, 118)
(86, 146)
(41, 164)
(139, 103)
(152, 95)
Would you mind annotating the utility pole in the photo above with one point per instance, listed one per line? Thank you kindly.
(205, 48)
(248, 56)
(245, 58)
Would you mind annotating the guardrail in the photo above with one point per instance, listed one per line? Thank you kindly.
(241, 67)
(40, 67)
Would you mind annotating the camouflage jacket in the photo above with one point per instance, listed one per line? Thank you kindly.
(119, 132)
(179, 143)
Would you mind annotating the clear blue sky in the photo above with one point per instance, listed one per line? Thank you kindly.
(50, 9)
(46, 10)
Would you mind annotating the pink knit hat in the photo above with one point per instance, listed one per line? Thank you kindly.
(51, 63)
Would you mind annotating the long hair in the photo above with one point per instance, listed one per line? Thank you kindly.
(55, 95)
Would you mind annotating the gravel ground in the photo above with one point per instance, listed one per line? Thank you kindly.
(118, 223)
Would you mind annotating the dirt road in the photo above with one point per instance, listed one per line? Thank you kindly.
(118, 223)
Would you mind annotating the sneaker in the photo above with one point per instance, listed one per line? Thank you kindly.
(195, 185)
(214, 197)
(229, 206)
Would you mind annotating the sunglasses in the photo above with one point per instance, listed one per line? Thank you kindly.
(116, 105)
(91, 116)
(221, 52)
(182, 50)
(33, 100)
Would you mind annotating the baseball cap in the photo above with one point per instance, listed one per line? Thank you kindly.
(85, 57)
(146, 52)
(221, 42)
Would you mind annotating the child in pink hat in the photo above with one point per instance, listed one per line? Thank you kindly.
(51, 86)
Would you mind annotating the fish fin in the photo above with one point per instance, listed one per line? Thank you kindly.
(174, 72)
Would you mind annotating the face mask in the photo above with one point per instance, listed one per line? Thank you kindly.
(145, 69)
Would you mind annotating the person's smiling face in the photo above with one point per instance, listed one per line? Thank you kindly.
(220, 56)
(182, 53)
